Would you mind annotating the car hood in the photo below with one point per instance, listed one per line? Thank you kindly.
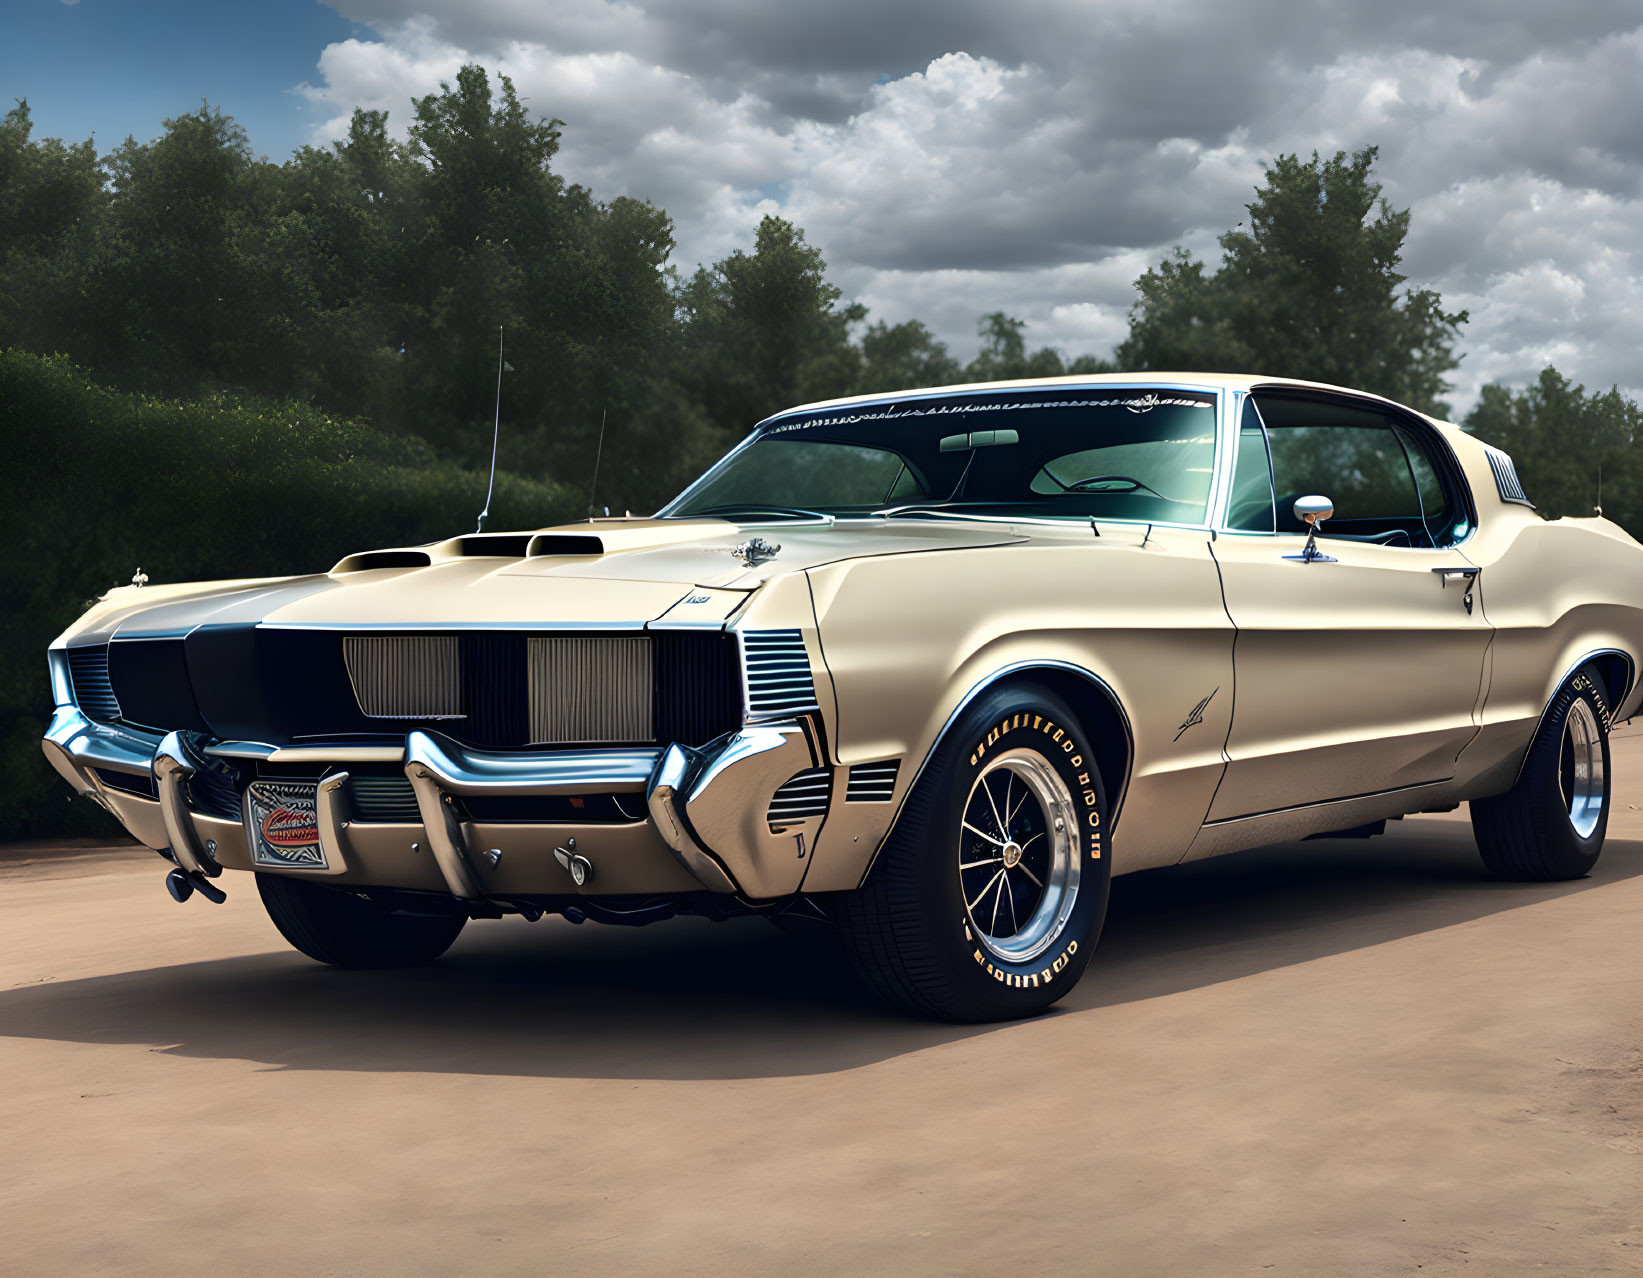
(599, 573)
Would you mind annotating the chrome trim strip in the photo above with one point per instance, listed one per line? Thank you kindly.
(1324, 803)
(523, 627)
(336, 754)
(241, 749)
(173, 765)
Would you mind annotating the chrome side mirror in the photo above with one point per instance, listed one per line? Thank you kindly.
(1312, 511)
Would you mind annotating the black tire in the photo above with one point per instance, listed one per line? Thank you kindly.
(336, 927)
(909, 930)
(1550, 825)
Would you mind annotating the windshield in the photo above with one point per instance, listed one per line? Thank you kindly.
(1123, 453)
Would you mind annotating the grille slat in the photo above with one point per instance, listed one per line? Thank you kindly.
(872, 782)
(1506, 480)
(801, 797)
(88, 672)
(586, 691)
(779, 681)
(383, 799)
(405, 676)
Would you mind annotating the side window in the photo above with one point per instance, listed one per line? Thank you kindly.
(1375, 468)
(1250, 506)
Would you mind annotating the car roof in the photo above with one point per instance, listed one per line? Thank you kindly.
(1208, 381)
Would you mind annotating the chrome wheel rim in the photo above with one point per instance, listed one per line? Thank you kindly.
(1018, 864)
(1580, 769)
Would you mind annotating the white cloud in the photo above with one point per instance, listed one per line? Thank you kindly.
(1035, 158)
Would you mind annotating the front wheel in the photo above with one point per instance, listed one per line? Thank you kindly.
(337, 927)
(988, 897)
(1550, 825)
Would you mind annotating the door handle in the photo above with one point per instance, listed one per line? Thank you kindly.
(1466, 576)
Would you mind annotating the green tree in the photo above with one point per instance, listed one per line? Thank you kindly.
(1004, 355)
(903, 356)
(762, 331)
(1564, 442)
(1309, 287)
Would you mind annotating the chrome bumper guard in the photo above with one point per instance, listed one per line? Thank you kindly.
(708, 805)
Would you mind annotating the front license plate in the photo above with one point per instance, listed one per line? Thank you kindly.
(282, 819)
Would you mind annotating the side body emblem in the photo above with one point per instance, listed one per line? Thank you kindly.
(1197, 715)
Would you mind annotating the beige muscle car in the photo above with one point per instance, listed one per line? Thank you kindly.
(929, 666)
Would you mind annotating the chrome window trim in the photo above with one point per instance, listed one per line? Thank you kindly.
(1416, 422)
(1217, 390)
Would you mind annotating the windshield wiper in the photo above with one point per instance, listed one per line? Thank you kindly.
(754, 508)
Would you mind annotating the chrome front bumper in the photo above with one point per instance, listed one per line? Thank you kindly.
(705, 810)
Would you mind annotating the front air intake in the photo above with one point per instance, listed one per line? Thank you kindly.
(801, 798)
(405, 676)
(88, 672)
(872, 782)
(592, 690)
(779, 683)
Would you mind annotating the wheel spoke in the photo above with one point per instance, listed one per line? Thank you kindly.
(993, 927)
(1010, 816)
(988, 791)
(971, 905)
(1014, 926)
(970, 865)
(1022, 866)
(997, 843)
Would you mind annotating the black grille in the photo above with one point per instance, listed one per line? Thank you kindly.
(872, 782)
(383, 799)
(281, 685)
(214, 792)
(88, 671)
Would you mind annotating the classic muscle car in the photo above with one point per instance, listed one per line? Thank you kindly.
(930, 667)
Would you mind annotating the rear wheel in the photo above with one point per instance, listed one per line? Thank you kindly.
(989, 895)
(336, 927)
(1551, 824)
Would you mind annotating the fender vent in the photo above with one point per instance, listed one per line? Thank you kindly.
(384, 799)
(88, 672)
(1506, 480)
(778, 674)
(872, 782)
(801, 797)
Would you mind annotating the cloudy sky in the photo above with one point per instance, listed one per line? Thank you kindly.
(952, 157)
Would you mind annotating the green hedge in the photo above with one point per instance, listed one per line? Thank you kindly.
(97, 483)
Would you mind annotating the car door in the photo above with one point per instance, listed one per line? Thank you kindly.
(1359, 672)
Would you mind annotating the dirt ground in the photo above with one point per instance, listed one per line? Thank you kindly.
(1329, 1058)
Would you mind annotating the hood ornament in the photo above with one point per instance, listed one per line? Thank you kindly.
(139, 579)
(755, 551)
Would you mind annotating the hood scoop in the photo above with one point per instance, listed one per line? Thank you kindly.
(366, 560)
(556, 544)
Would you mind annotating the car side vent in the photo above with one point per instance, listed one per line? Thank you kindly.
(778, 674)
(872, 782)
(1506, 480)
(800, 798)
(384, 799)
(88, 671)
(405, 676)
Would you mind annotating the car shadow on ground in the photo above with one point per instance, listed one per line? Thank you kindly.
(689, 999)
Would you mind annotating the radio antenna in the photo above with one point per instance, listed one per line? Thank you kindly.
(496, 432)
(593, 489)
